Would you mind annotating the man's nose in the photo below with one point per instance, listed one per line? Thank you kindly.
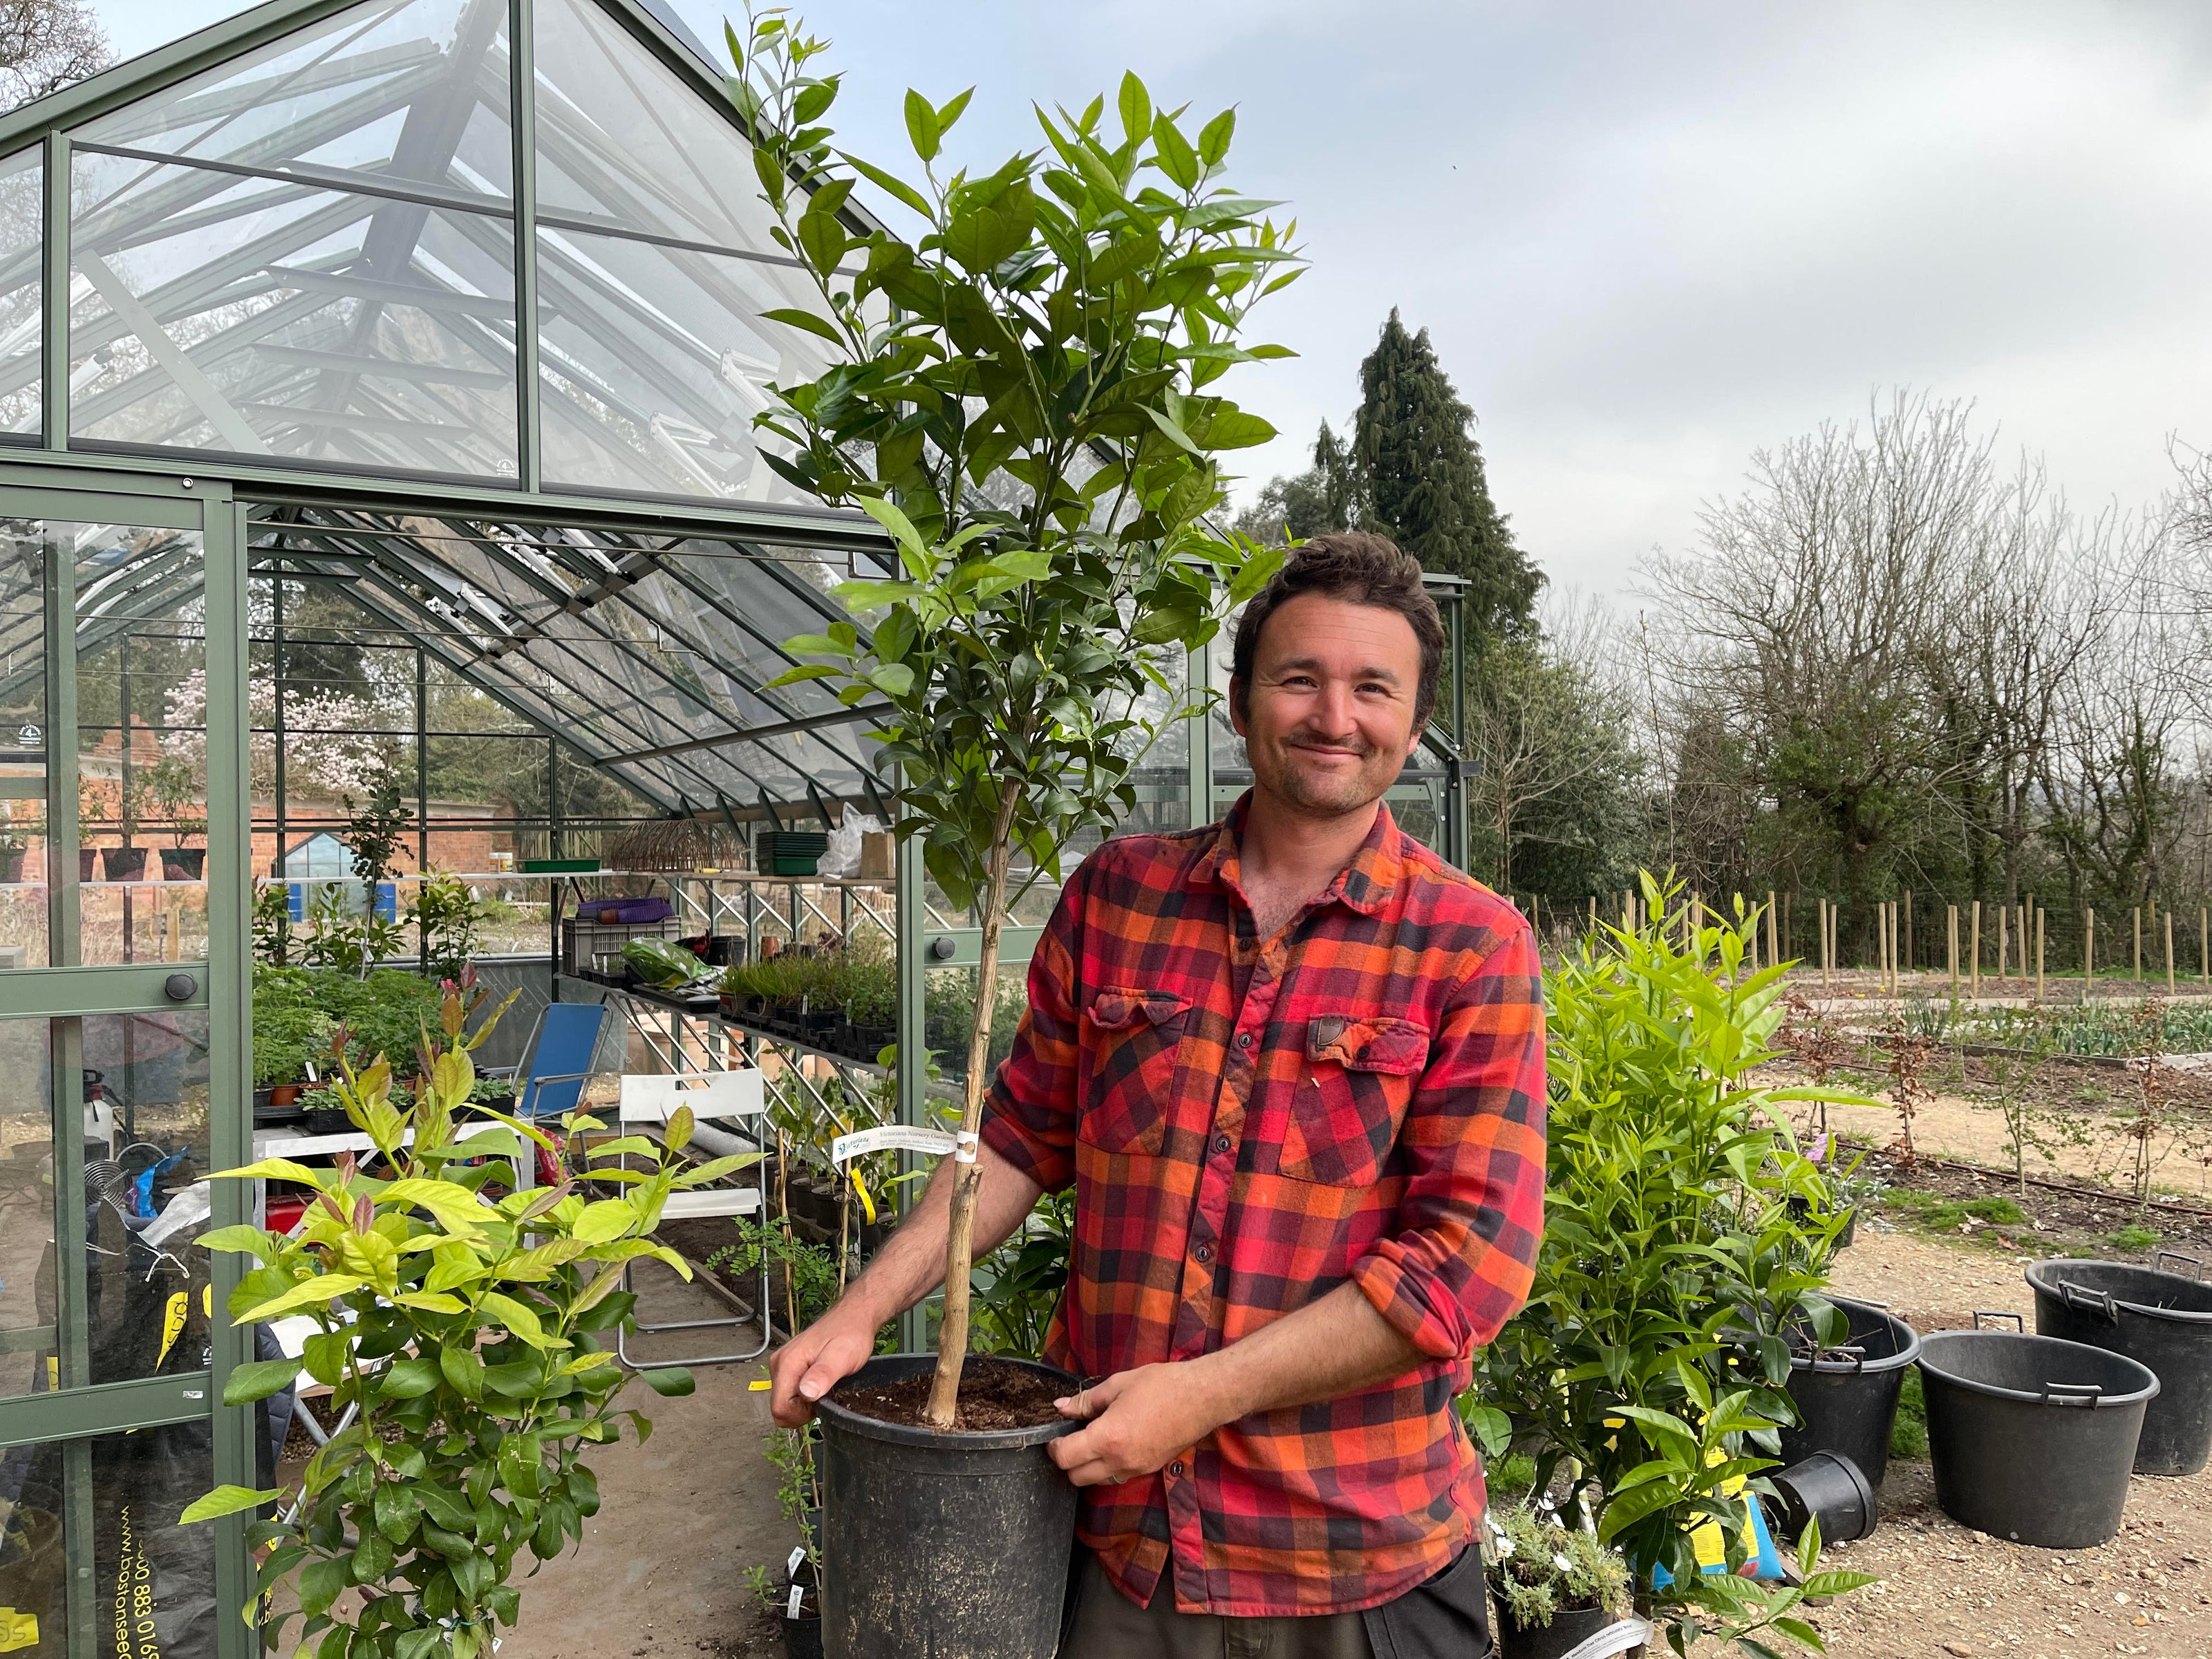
(1332, 714)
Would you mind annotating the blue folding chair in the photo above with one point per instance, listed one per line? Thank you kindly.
(557, 1058)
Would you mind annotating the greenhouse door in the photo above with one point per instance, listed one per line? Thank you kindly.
(124, 1024)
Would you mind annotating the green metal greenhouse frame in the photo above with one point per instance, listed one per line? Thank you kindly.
(450, 308)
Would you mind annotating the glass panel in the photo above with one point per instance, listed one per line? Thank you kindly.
(146, 1193)
(414, 92)
(27, 1220)
(22, 320)
(142, 739)
(215, 313)
(655, 361)
(150, 1589)
(22, 744)
(624, 139)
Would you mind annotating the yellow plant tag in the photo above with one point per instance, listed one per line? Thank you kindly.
(172, 1324)
(18, 1631)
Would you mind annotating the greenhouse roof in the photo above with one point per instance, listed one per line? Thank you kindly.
(464, 299)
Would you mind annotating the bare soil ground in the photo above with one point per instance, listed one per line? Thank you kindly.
(1948, 1591)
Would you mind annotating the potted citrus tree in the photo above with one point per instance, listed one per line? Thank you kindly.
(1025, 398)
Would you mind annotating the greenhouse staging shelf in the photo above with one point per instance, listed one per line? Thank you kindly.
(685, 1009)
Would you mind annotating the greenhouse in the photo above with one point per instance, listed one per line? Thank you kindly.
(385, 518)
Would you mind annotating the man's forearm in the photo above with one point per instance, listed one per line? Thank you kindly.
(1335, 1346)
(911, 1264)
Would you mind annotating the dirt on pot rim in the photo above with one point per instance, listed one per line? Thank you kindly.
(993, 1395)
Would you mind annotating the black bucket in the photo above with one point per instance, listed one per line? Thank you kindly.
(2033, 1437)
(1828, 1488)
(1847, 1395)
(1575, 1630)
(2161, 1319)
(938, 1544)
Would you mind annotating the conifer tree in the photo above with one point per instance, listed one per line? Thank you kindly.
(1421, 482)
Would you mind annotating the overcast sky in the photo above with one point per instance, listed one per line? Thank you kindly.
(1648, 239)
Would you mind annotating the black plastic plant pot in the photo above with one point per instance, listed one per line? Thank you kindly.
(182, 863)
(1583, 1632)
(1847, 1395)
(123, 863)
(2033, 1437)
(799, 1612)
(2160, 1319)
(88, 859)
(938, 1544)
(1830, 1488)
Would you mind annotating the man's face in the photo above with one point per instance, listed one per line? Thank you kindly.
(1328, 716)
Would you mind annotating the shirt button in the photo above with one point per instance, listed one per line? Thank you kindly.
(1221, 1143)
(1204, 1253)
(1244, 1039)
(1175, 1469)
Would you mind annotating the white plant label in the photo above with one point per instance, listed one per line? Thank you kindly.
(935, 1142)
(797, 1554)
(798, 1595)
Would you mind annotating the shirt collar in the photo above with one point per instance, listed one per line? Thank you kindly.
(1365, 884)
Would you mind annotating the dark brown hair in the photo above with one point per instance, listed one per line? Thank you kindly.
(1364, 568)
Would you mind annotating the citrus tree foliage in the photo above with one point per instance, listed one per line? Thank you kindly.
(1686, 1247)
(1022, 402)
(466, 1330)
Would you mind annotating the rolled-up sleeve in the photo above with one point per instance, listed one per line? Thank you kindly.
(1461, 1261)
(1030, 1119)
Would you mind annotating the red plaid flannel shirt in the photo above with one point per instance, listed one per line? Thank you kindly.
(1372, 1111)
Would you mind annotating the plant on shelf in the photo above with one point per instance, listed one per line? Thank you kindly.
(173, 787)
(272, 926)
(1021, 401)
(447, 920)
(463, 1332)
(383, 1012)
(340, 938)
(286, 1039)
(1648, 1371)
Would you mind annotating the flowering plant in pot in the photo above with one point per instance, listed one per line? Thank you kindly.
(175, 790)
(470, 1334)
(1555, 1587)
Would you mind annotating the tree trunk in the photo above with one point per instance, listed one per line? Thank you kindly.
(967, 1173)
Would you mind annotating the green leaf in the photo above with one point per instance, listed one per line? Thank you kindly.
(922, 126)
(1213, 141)
(320, 1583)
(324, 1355)
(896, 188)
(807, 322)
(1824, 1585)
(463, 1370)
(408, 1379)
(225, 1500)
(1235, 429)
(251, 1241)
(1491, 1428)
(669, 1380)
(257, 1379)
(324, 1287)
(893, 679)
(1136, 106)
(1174, 153)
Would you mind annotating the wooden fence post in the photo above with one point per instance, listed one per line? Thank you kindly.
(2004, 941)
(2038, 958)
(1909, 961)
(2137, 913)
(2089, 949)
(1974, 956)
(1827, 969)
(1773, 935)
(2169, 953)
(1951, 946)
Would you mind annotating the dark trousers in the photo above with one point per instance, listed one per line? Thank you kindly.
(1446, 1617)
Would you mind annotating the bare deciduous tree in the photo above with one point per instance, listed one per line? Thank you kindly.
(45, 46)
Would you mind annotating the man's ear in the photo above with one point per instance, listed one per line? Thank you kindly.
(1413, 742)
(1238, 690)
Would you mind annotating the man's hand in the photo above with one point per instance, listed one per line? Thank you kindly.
(815, 1361)
(1138, 1419)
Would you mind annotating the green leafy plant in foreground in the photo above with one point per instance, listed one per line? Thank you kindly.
(467, 1329)
(1021, 398)
(1650, 1364)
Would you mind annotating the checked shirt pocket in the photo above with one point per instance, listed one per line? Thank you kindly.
(1345, 1112)
(1134, 1039)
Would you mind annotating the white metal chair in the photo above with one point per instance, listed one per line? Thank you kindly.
(732, 1096)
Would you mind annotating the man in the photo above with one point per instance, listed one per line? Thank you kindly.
(1294, 1068)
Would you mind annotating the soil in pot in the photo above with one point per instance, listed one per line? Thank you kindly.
(995, 1393)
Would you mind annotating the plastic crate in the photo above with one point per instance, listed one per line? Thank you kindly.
(583, 939)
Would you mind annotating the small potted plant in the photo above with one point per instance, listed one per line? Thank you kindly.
(175, 792)
(13, 843)
(91, 807)
(126, 862)
(1558, 1590)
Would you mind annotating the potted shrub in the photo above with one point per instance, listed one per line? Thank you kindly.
(1556, 1589)
(175, 790)
(1031, 422)
(1647, 1373)
(126, 862)
(469, 1333)
(13, 845)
